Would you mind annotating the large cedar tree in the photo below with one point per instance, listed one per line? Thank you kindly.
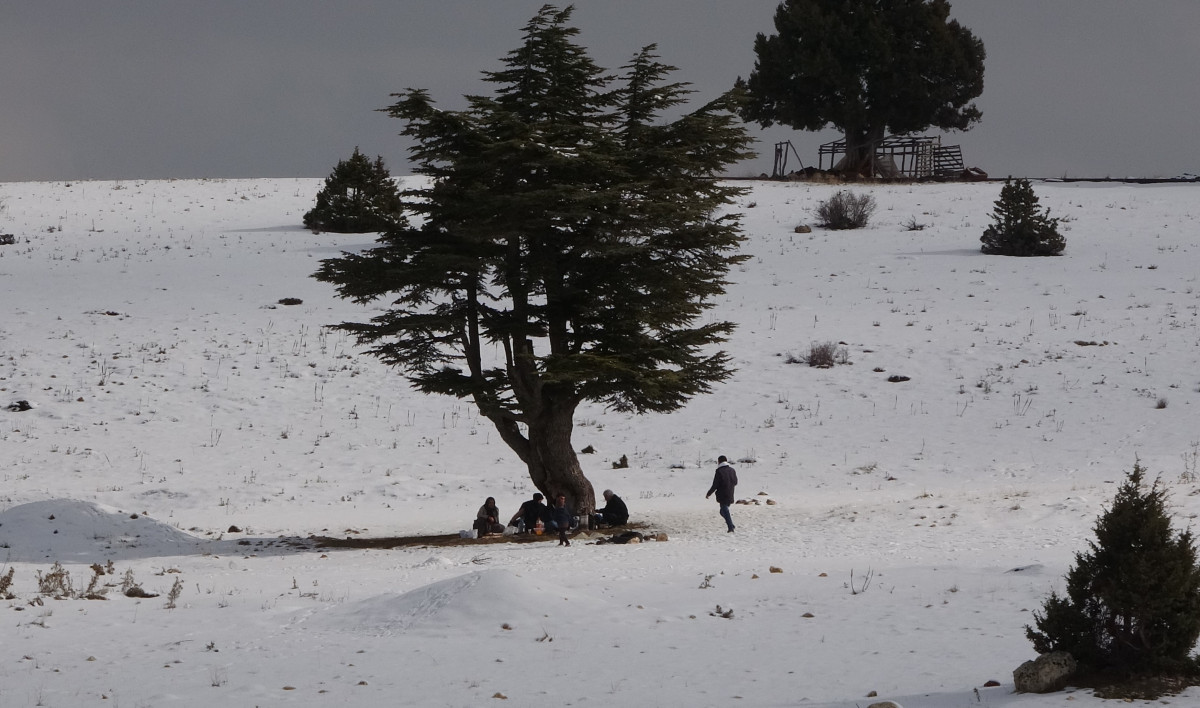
(566, 245)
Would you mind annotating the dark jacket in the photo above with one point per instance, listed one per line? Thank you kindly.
(723, 483)
(561, 516)
(615, 512)
(532, 511)
(488, 513)
(487, 520)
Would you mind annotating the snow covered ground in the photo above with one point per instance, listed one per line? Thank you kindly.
(915, 525)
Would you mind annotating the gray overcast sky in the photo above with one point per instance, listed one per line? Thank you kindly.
(127, 89)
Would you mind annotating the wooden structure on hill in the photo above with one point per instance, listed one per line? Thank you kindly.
(782, 150)
(902, 157)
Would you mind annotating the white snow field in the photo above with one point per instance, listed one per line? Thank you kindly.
(901, 536)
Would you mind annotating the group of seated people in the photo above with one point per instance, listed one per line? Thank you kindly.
(534, 516)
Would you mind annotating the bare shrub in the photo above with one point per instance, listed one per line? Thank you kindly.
(127, 581)
(846, 210)
(860, 587)
(131, 588)
(56, 582)
(824, 355)
(174, 593)
(95, 589)
(6, 583)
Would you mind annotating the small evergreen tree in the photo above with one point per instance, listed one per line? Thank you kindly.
(358, 197)
(1133, 601)
(1019, 228)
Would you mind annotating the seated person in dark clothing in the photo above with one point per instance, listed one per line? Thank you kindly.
(614, 513)
(487, 520)
(531, 512)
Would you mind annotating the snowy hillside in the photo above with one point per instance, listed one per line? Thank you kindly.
(164, 410)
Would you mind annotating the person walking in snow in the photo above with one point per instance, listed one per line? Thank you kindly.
(560, 519)
(723, 483)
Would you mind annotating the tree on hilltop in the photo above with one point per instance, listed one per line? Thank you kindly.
(567, 243)
(358, 197)
(866, 67)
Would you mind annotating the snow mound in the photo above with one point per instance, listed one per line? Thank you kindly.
(71, 531)
(482, 600)
(435, 562)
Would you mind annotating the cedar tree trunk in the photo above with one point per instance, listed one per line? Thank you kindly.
(548, 454)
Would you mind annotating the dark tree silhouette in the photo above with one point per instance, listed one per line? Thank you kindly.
(358, 197)
(866, 67)
(1133, 600)
(567, 243)
(1019, 227)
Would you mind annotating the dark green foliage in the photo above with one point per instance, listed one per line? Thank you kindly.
(569, 240)
(866, 67)
(846, 210)
(1019, 227)
(1132, 605)
(358, 197)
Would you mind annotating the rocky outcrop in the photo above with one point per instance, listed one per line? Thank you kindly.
(1048, 672)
